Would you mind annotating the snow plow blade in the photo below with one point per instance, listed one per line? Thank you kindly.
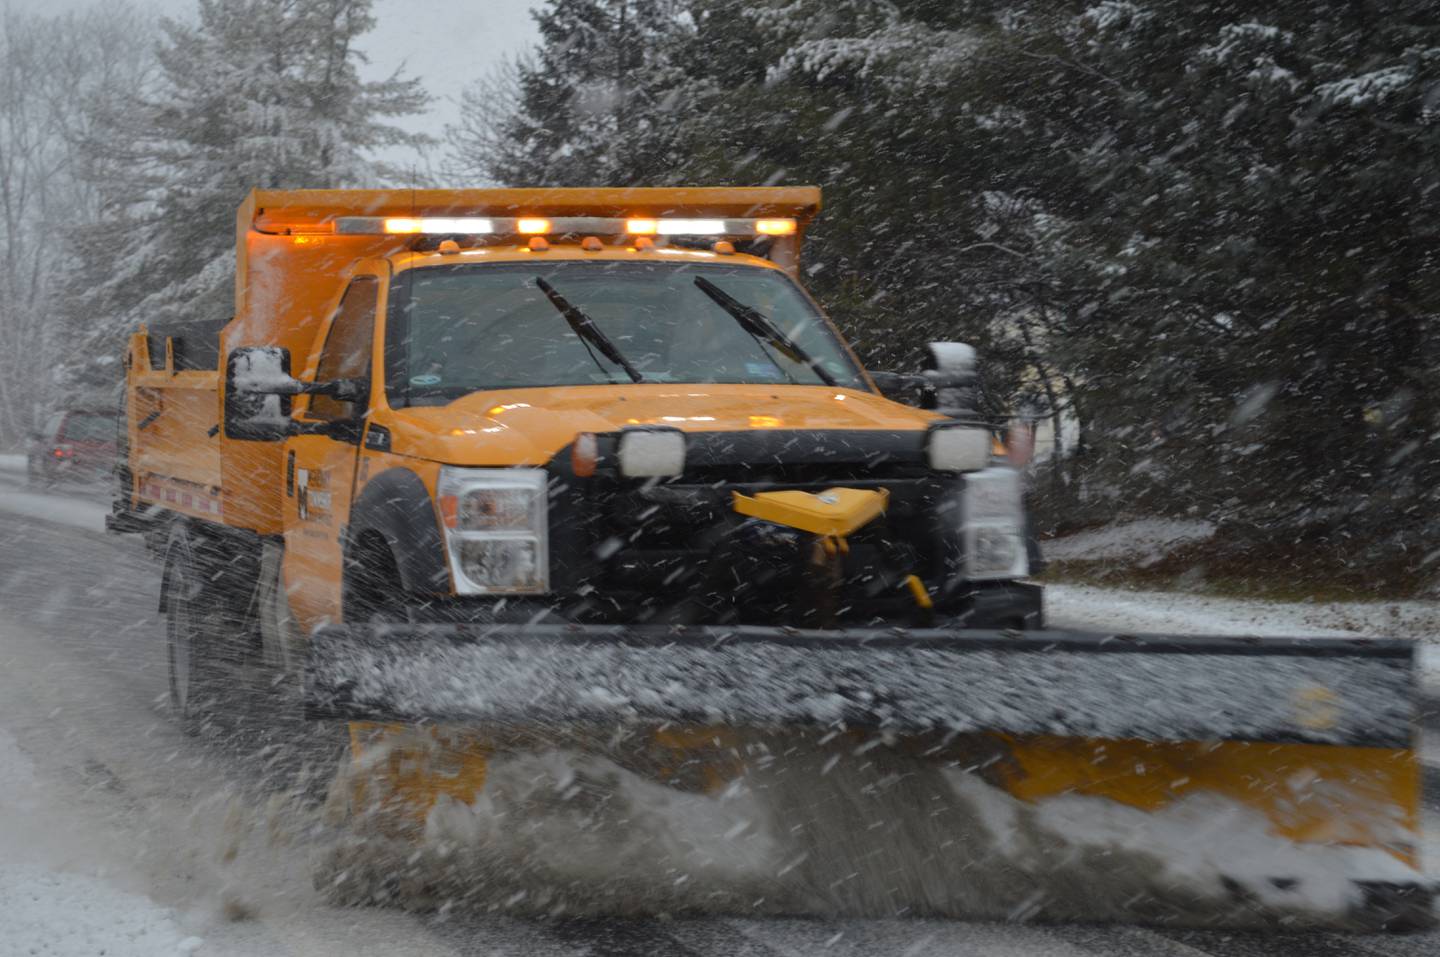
(1258, 779)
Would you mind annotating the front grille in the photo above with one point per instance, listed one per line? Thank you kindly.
(627, 550)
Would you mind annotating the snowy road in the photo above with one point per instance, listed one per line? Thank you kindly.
(117, 831)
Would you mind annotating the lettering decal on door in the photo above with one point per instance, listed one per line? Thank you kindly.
(312, 495)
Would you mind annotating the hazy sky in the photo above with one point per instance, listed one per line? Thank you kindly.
(447, 43)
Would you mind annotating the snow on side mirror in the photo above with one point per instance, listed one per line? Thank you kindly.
(258, 387)
(950, 370)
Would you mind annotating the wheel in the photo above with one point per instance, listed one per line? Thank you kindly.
(191, 634)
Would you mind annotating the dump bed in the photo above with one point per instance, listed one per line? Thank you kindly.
(171, 416)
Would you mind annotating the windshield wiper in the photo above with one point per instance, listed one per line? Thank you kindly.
(586, 329)
(755, 323)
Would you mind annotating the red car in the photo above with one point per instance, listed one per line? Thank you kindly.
(76, 445)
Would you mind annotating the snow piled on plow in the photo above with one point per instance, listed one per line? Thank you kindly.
(1022, 685)
(870, 834)
(1089, 607)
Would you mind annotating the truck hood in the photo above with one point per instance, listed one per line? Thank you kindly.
(529, 426)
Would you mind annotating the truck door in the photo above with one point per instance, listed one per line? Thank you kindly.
(320, 470)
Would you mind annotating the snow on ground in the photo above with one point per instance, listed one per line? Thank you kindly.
(60, 508)
(54, 899)
(12, 462)
(1145, 541)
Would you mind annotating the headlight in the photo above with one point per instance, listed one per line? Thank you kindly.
(959, 448)
(496, 529)
(994, 525)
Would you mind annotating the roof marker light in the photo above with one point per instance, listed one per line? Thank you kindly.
(691, 227)
(532, 226)
(775, 227)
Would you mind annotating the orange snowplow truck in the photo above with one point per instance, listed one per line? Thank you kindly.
(558, 459)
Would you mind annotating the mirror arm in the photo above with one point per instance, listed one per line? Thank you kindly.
(343, 430)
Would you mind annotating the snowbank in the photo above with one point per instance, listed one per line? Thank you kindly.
(57, 509)
(51, 912)
(1144, 542)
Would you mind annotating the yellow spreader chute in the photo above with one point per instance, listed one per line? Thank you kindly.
(833, 513)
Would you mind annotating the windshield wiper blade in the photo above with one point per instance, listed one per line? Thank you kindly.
(586, 329)
(755, 323)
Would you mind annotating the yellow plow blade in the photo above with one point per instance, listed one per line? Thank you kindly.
(1044, 775)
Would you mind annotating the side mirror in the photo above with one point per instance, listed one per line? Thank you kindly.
(258, 387)
(951, 377)
(258, 391)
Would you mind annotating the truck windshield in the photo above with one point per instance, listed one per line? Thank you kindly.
(467, 328)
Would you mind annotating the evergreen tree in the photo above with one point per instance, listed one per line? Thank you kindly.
(260, 93)
(1200, 234)
(595, 104)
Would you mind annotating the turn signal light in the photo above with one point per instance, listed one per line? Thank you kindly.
(585, 455)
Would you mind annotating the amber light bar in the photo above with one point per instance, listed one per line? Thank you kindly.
(560, 226)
